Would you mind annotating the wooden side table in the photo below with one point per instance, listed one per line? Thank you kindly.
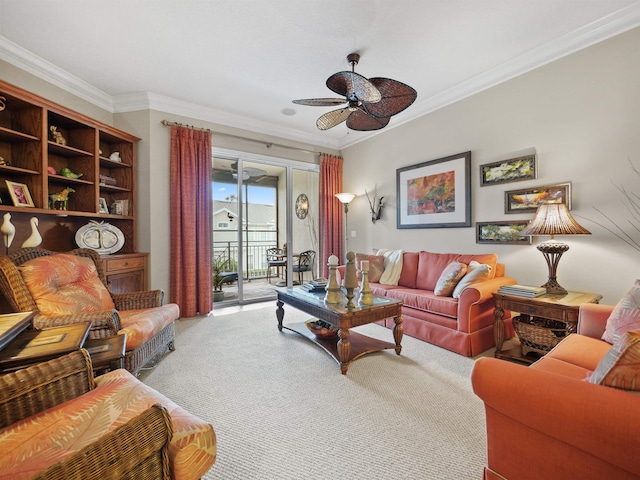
(562, 308)
(106, 353)
(12, 324)
(35, 346)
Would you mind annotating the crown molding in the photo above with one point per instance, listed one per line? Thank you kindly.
(595, 32)
(25, 60)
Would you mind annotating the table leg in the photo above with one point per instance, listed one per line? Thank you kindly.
(498, 328)
(280, 313)
(398, 331)
(344, 349)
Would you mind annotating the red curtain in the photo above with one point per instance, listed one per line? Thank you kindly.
(331, 232)
(190, 211)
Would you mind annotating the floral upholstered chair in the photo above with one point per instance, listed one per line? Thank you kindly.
(64, 288)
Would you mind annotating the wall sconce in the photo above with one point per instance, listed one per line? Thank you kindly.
(375, 206)
(553, 219)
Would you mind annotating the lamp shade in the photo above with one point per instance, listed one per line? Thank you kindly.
(554, 219)
(345, 198)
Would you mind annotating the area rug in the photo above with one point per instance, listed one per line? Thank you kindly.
(282, 410)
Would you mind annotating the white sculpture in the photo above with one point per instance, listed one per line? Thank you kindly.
(35, 238)
(8, 231)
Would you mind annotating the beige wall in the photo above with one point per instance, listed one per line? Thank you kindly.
(580, 114)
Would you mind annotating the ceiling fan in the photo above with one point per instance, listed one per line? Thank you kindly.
(370, 102)
(247, 172)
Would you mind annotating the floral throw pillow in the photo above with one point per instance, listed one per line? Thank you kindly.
(65, 284)
(376, 266)
(449, 278)
(620, 367)
(625, 315)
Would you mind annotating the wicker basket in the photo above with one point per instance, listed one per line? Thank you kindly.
(538, 335)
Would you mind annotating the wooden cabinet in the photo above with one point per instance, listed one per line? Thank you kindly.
(126, 272)
(38, 141)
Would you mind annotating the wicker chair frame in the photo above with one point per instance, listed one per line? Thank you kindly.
(135, 450)
(104, 324)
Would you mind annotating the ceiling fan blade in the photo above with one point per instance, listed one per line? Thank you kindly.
(321, 102)
(396, 96)
(353, 84)
(333, 118)
(362, 121)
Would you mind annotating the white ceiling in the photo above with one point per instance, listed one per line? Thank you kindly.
(241, 62)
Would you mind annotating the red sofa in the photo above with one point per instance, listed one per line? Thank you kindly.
(463, 325)
(546, 421)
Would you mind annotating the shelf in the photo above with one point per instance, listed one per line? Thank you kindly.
(113, 188)
(66, 151)
(13, 136)
(69, 181)
(107, 163)
(9, 170)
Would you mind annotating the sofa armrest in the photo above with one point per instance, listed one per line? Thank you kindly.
(482, 291)
(589, 419)
(31, 390)
(103, 324)
(138, 300)
(592, 319)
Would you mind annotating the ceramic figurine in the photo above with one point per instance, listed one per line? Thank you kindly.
(51, 170)
(60, 199)
(66, 172)
(366, 295)
(35, 238)
(8, 231)
(350, 279)
(115, 157)
(57, 136)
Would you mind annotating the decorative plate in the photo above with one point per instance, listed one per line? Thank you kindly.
(302, 206)
(104, 238)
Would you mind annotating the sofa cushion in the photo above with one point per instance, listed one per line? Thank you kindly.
(141, 325)
(449, 278)
(65, 284)
(33, 444)
(426, 301)
(620, 367)
(409, 269)
(476, 272)
(376, 266)
(431, 265)
(625, 315)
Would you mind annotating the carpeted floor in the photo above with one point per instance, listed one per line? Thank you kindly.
(282, 410)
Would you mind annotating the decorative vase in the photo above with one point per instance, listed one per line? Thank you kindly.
(350, 279)
(218, 296)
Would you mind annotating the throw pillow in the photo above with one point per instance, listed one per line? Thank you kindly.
(376, 266)
(625, 315)
(65, 284)
(476, 272)
(620, 367)
(451, 275)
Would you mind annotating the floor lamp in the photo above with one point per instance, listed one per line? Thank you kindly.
(345, 199)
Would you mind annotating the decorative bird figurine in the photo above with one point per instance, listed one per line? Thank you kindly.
(8, 231)
(66, 172)
(35, 238)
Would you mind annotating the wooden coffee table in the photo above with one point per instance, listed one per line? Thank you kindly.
(347, 346)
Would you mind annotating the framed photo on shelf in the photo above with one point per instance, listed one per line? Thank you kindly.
(102, 204)
(435, 194)
(19, 194)
(505, 171)
(502, 232)
(528, 200)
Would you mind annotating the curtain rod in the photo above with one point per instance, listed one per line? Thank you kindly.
(167, 123)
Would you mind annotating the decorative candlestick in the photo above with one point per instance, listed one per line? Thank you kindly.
(350, 279)
(334, 294)
(366, 295)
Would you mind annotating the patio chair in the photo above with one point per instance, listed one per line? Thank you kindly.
(276, 258)
(306, 261)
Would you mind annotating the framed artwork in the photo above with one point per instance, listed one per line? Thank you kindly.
(435, 194)
(19, 194)
(502, 232)
(102, 203)
(505, 171)
(527, 200)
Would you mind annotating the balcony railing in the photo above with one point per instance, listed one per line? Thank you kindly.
(254, 257)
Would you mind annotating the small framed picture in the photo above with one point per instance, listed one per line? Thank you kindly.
(19, 194)
(102, 204)
(528, 200)
(505, 171)
(502, 232)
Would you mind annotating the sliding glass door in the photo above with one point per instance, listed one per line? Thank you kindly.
(258, 232)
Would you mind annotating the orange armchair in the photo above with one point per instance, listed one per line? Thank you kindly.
(65, 288)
